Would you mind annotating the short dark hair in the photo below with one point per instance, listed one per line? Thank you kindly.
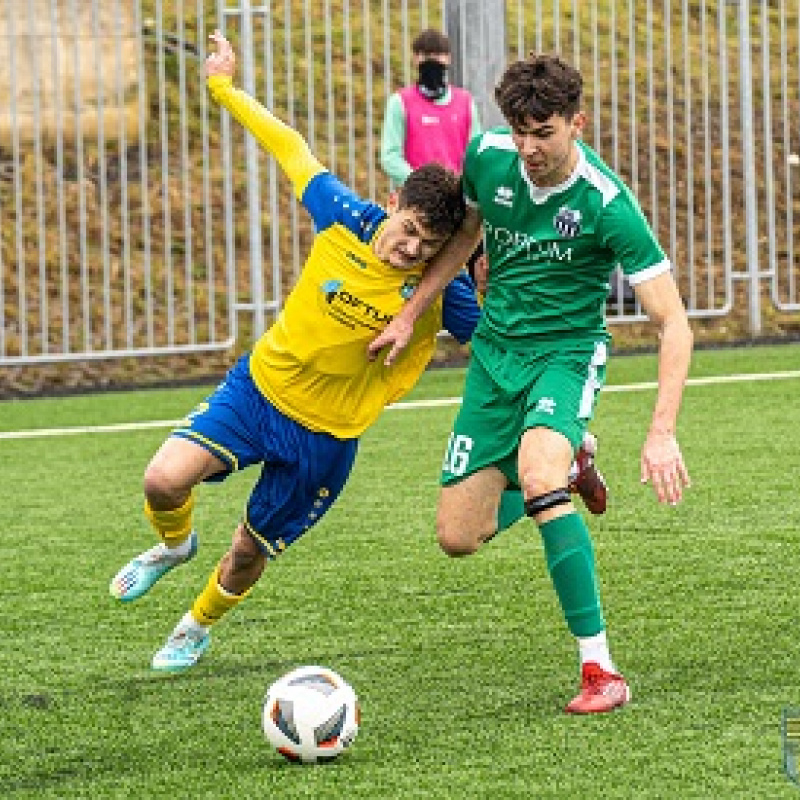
(430, 43)
(539, 87)
(436, 193)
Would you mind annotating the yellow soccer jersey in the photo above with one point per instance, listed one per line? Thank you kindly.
(312, 363)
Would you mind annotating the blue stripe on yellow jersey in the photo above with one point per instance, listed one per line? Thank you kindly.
(312, 363)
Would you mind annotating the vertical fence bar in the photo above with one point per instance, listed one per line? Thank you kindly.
(208, 240)
(405, 40)
(368, 89)
(769, 160)
(147, 280)
(348, 71)
(22, 321)
(670, 86)
(576, 37)
(274, 209)
(651, 119)
(288, 54)
(330, 107)
(689, 266)
(612, 36)
(748, 151)
(101, 166)
(596, 74)
(127, 300)
(166, 216)
(253, 181)
(787, 152)
(312, 142)
(726, 151)
(86, 313)
(227, 188)
(708, 200)
(632, 74)
(43, 289)
(186, 172)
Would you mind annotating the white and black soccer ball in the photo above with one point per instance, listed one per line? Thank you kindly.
(310, 715)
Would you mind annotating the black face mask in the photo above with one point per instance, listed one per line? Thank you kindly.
(432, 79)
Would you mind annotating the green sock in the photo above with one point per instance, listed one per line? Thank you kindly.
(512, 509)
(570, 561)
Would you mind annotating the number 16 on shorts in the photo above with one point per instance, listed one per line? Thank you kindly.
(456, 459)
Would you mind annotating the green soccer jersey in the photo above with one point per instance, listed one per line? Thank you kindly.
(551, 251)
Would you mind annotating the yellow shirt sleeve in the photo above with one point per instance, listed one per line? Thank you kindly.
(288, 146)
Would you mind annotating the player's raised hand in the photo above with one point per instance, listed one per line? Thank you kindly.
(396, 335)
(662, 465)
(223, 61)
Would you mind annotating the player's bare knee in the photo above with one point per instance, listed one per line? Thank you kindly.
(454, 541)
(161, 489)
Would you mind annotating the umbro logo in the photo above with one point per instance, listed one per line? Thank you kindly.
(504, 196)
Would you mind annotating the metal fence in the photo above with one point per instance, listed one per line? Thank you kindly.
(136, 219)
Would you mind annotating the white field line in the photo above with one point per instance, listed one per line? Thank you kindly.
(410, 405)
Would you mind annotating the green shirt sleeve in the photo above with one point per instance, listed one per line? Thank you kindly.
(392, 140)
(623, 228)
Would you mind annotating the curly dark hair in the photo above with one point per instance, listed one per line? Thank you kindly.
(539, 87)
(436, 193)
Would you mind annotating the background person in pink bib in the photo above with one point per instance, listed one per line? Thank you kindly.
(430, 120)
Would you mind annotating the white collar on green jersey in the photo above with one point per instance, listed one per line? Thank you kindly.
(539, 194)
(583, 169)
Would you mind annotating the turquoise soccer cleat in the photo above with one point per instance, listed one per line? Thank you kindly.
(139, 575)
(182, 650)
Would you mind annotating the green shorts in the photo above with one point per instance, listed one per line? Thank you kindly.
(556, 389)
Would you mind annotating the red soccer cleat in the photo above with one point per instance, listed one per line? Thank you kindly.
(600, 691)
(586, 480)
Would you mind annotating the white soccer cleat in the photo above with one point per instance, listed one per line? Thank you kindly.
(182, 650)
(138, 576)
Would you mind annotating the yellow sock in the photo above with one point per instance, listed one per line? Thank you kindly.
(173, 526)
(214, 601)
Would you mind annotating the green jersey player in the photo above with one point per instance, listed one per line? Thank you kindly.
(555, 221)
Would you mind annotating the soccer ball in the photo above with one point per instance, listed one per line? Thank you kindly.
(311, 714)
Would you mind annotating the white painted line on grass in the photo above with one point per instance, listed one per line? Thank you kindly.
(406, 406)
(628, 387)
(71, 431)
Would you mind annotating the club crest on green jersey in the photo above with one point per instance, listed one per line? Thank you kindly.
(567, 222)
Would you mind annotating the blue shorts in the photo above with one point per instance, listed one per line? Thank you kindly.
(302, 472)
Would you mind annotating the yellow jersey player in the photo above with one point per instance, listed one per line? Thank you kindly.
(297, 404)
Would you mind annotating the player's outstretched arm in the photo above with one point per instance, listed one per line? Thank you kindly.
(287, 145)
(439, 272)
(661, 461)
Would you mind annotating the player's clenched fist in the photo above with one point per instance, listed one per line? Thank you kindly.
(223, 61)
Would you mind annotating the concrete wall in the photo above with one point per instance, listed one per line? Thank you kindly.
(57, 63)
